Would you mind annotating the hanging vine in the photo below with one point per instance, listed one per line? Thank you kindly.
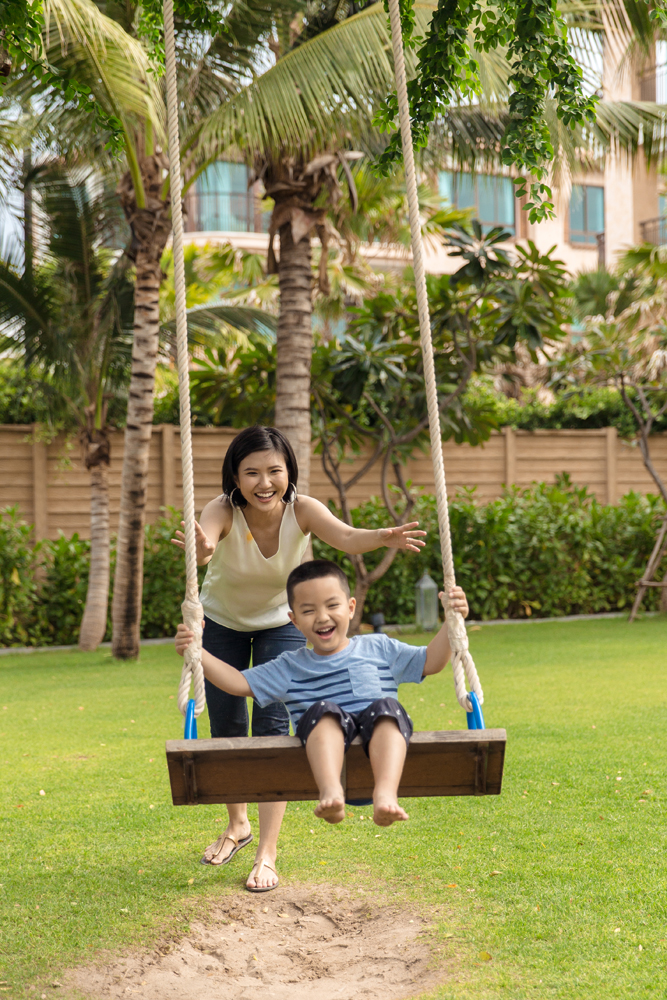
(533, 36)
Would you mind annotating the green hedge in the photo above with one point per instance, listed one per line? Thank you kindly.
(588, 408)
(43, 587)
(547, 550)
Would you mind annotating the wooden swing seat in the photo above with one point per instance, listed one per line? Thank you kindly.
(275, 768)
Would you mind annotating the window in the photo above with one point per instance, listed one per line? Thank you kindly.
(491, 197)
(222, 202)
(655, 230)
(586, 213)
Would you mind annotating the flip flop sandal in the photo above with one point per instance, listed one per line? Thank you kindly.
(259, 865)
(238, 844)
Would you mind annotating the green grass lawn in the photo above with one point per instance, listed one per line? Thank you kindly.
(578, 909)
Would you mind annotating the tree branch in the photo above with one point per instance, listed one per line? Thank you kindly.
(385, 487)
(644, 428)
(382, 567)
(366, 467)
(409, 498)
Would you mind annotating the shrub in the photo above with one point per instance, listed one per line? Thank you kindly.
(582, 409)
(43, 587)
(164, 577)
(18, 587)
(547, 550)
(62, 596)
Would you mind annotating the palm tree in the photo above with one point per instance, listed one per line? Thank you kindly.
(294, 134)
(70, 323)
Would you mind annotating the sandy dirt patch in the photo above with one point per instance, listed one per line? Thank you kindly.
(303, 944)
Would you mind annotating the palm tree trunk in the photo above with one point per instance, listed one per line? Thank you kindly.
(128, 579)
(151, 226)
(94, 623)
(28, 222)
(295, 348)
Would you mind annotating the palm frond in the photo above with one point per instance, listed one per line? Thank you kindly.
(327, 87)
(81, 42)
(71, 319)
(223, 325)
(472, 137)
(26, 311)
(80, 214)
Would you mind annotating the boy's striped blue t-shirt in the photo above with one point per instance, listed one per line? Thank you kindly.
(370, 667)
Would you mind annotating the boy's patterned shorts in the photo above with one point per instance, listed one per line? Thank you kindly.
(356, 723)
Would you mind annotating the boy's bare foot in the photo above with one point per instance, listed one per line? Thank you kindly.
(387, 811)
(331, 806)
(226, 845)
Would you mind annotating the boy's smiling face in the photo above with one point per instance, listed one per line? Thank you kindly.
(322, 611)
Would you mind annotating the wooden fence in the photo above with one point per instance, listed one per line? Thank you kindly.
(50, 485)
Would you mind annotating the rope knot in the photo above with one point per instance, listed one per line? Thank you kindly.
(456, 630)
(463, 664)
(193, 614)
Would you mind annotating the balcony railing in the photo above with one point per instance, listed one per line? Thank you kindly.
(653, 84)
(654, 231)
(225, 211)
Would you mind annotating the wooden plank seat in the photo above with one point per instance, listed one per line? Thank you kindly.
(276, 769)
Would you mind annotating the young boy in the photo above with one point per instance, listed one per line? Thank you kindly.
(341, 688)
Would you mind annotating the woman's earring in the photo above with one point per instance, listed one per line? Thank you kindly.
(231, 498)
(291, 489)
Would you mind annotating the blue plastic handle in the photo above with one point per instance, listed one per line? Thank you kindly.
(190, 722)
(475, 718)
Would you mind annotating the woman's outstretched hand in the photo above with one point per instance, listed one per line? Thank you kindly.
(403, 536)
(205, 547)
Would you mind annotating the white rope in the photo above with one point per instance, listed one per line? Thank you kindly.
(462, 662)
(191, 608)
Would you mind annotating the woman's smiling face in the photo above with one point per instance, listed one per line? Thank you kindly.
(262, 479)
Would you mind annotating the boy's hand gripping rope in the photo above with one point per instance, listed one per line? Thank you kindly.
(462, 662)
(191, 608)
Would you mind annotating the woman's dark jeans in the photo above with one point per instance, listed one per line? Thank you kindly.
(227, 713)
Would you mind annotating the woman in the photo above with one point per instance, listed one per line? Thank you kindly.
(251, 537)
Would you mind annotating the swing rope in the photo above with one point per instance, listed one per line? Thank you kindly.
(462, 662)
(192, 610)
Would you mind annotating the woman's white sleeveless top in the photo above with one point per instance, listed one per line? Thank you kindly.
(245, 591)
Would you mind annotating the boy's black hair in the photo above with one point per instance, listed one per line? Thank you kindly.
(251, 439)
(315, 569)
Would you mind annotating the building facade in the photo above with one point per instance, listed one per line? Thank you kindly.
(599, 214)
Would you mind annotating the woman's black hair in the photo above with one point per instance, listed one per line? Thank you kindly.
(257, 439)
